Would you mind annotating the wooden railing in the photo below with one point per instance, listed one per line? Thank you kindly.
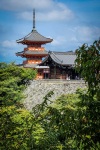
(34, 48)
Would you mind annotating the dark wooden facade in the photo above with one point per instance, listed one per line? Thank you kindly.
(58, 71)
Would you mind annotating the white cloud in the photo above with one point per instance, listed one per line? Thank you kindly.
(85, 34)
(60, 40)
(73, 38)
(20, 5)
(8, 44)
(57, 14)
(53, 15)
(47, 9)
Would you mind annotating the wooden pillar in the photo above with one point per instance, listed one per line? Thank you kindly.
(55, 71)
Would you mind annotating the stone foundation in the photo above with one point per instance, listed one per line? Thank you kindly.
(37, 89)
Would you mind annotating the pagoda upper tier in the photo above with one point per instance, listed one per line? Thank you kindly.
(34, 38)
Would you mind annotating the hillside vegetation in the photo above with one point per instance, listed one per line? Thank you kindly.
(70, 122)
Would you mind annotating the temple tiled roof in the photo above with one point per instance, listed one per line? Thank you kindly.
(62, 58)
(34, 37)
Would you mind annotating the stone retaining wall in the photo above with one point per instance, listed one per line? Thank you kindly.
(37, 89)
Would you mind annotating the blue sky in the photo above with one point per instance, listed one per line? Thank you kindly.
(69, 22)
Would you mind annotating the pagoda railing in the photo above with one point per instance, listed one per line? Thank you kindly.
(34, 49)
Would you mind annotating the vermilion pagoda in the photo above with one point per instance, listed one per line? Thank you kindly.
(34, 52)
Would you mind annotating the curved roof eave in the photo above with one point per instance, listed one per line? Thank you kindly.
(46, 58)
(34, 36)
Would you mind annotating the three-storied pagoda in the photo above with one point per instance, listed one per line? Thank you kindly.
(34, 52)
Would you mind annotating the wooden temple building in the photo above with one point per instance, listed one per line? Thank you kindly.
(49, 64)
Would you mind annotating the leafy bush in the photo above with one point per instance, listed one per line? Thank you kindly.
(12, 81)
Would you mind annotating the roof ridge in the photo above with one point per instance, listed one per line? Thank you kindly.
(56, 57)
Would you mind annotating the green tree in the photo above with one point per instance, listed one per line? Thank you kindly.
(88, 65)
(58, 118)
(12, 81)
(73, 121)
(17, 124)
(19, 130)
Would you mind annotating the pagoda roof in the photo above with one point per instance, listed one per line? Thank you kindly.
(31, 52)
(33, 38)
(62, 58)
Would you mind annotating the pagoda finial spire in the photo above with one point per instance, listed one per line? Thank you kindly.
(33, 18)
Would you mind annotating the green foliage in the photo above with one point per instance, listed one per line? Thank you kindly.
(73, 121)
(12, 81)
(88, 115)
(17, 124)
(58, 120)
(68, 122)
(19, 131)
(88, 64)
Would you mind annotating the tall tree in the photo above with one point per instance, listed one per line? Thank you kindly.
(16, 123)
(88, 65)
(12, 81)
